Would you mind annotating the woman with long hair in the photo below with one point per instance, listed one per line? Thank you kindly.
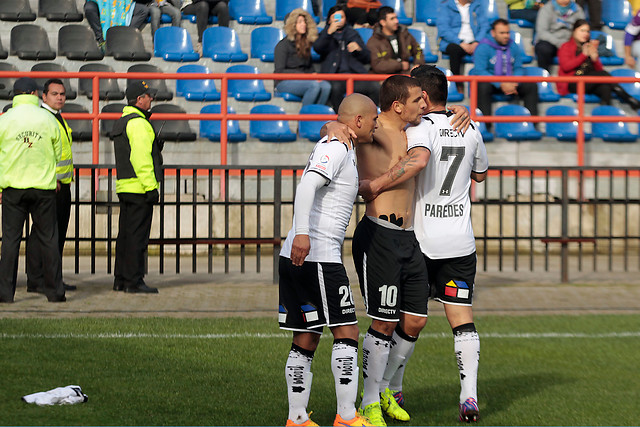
(579, 57)
(293, 55)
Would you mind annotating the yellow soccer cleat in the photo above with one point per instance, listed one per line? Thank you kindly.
(373, 412)
(358, 420)
(391, 408)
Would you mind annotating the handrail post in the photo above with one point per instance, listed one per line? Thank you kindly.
(580, 137)
(564, 246)
(223, 134)
(95, 127)
(277, 211)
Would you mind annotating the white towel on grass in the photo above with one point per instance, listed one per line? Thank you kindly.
(68, 395)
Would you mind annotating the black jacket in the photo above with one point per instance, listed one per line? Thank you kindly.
(332, 49)
(287, 60)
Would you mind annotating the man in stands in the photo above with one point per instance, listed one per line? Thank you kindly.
(392, 47)
(498, 55)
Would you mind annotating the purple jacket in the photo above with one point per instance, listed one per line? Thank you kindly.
(632, 30)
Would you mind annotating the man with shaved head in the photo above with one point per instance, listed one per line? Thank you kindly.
(314, 288)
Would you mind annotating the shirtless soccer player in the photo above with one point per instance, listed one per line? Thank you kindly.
(445, 161)
(314, 288)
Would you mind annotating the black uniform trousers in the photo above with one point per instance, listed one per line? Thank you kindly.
(34, 252)
(17, 204)
(133, 238)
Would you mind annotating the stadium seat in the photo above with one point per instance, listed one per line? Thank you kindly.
(310, 129)
(3, 53)
(172, 130)
(517, 39)
(365, 33)
(30, 41)
(197, 90)
(398, 6)
(16, 10)
(247, 90)
(160, 85)
(270, 130)
(192, 18)
(522, 23)
(546, 93)
(52, 66)
(287, 96)
(523, 131)
(109, 89)
(77, 42)
(564, 131)
(454, 95)
(614, 131)
(210, 129)
(264, 41)
(126, 44)
(423, 41)
(482, 127)
(632, 89)
(6, 107)
(609, 44)
(6, 83)
(222, 44)
(427, 11)
(589, 98)
(326, 5)
(491, 10)
(81, 129)
(174, 44)
(106, 125)
(59, 10)
(251, 12)
(616, 14)
(283, 7)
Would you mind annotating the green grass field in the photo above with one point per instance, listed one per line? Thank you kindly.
(538, 370)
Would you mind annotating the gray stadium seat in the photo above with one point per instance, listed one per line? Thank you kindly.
(16, 10)
(172, 130)
(3, 53)
(51, 66)
(80, 129)
(59, 10)
(6, 92)
(109, 89)
(77, 42)
(30, 41)
(125, 44)
(163, 93)
(106, 125)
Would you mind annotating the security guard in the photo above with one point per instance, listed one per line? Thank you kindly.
(139, 169)
(30, 149)
(53, 99)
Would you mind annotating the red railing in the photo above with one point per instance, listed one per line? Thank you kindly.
(95, 115)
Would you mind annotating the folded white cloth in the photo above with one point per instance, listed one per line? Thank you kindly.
(68, 395)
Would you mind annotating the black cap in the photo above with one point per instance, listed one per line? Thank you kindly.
(139, 88)
(24, 85)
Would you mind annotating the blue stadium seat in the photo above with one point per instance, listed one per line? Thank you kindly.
(609, 44)
(247, 90)
(491, 10)
(546, 93)
(398, 6)
(524, 131)
(210, 129)
(213, 19)
(616, 14)
(283, 7)
(427, 11)
(423, 41)
(326, 5)
(517, 39)
(487, 136)
(522, 23)
(270, 130)
(365, 33)
(264, 41)
(222, 45)
(589, 98)
(564, 131)
(289, 97)
(310, 129)
(614, 131)
(454, 95)
(171, 130)
(174, 44)
(632, 89)
(251, 12)
(197, 90)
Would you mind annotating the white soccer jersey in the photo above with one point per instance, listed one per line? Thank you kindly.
(443, 208)
(332, 204)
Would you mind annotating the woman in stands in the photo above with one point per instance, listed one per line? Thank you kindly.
(579, 57)
(293, 55)
(203, 9)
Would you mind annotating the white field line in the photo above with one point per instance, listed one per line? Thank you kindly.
(257, 335)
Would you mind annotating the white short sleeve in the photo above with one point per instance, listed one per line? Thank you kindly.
(327, 158)
(481, 160)
(421, 135)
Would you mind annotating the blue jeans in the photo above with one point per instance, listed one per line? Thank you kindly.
(311, 91)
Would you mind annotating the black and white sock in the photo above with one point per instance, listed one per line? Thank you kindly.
(344, 365)
(402, 346)
(375, 354)
(298, 374)
(466, 344)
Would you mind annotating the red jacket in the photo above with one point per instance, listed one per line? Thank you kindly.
(569, 62)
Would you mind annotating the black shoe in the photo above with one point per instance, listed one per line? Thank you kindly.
(36, 290)
(69, 287)
(61, 298)
(141, 289)
(118, 287)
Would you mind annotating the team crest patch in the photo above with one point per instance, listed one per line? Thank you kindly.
(309, 313)
(282, 314)
(457, 289)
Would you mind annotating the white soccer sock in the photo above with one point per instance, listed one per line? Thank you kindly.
(466, 344)
(298, 374)
(402, 346)
(375, 353)
(344, 365)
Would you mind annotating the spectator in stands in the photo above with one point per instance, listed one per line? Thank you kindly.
(632, 42)
(104, 14)
(202, 9)
(342, 51)
(595, 12)
(293, 55)
(524, 9)
(461, 24)
(392, 46)
(579, 57)
(169, 7)
(362, 13)
(498, 55)
(553, 28)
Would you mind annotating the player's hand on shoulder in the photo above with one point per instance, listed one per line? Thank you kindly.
(339, 131)
(461, 119)
(300, 249)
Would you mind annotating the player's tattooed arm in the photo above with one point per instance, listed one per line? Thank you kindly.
(461, 119)
(407, 168)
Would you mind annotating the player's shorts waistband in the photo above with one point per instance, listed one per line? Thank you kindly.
(386, 224)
